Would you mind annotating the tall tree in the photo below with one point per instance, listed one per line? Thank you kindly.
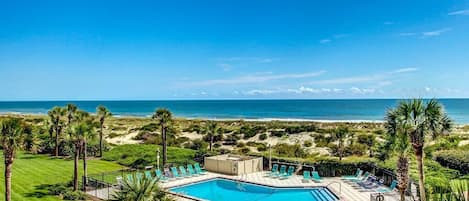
(397, 134)
(102, 113)
(163, 117)
(341, 134)
(56, 114)
(70, 110)
(422, 119)
(211, 130)
(81, 128)
(11, 136)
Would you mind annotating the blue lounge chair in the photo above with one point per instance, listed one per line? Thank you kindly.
(357, 175)
(198, 169)
(283, 170)
(316, 177)
(148, 175)
(363, 178)
(306, 176)
(390, 189)
(273, 172)
(160, 176)
(175, 173)
(191, 170)
(369, 183)
(289, 173)
(183, 172)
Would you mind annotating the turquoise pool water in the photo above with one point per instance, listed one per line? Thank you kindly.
(227, 190)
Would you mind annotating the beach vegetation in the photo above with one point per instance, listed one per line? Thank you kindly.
(163, 118)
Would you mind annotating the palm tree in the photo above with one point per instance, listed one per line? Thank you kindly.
(340, 134)
(144, 189)
(55, 115)
(70, 110)
(80, 129)
(211, 131)
(399, 137)
(367, 139)
(102, 113)
(11, 136)
(422, 119)
(163, 117)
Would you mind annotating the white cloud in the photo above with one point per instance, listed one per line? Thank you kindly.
(362, 79)
(356, 90)
(247, 59)
(435, 32)
(460, 12)
(260, 92)
(323, 41)
(258, 78)
(408, 34)
(225, 66)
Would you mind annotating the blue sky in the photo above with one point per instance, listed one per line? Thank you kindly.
(56, 50)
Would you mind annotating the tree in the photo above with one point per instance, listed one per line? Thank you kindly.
(340, 134)
(82, 129)
(102, 113)
(163, 117)
(11, 137)
(399, 137)
(55, 115)
(422, 119)
(144, 189)
(369, 140)
(211, 131)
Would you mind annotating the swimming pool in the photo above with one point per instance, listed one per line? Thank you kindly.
(227, 190)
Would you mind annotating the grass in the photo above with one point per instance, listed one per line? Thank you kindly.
(32, 171)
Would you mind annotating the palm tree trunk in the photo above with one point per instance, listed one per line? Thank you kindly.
(163, 137)
(8, 166)
(75, 167)
(211, 142)
(85, 168)
(419, 156)
(101, 140)
(56, 142)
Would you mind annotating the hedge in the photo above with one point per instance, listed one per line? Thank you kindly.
(457, 159)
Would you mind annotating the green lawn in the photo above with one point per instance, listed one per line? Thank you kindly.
(30, 171)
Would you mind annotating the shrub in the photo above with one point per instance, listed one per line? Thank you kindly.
(71, 195)
(244, 150)
(278, 133)
(240, 144)
(286, 150)
(140, 155)
(307, 143)
(263, 136)
(455, 159)
(300, 129)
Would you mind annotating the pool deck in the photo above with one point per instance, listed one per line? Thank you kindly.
(345, 190)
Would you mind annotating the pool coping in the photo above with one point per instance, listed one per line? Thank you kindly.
(249, 182)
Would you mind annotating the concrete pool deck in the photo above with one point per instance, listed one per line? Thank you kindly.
(344, 190)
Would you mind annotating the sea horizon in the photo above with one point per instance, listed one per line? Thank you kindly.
(321, 110)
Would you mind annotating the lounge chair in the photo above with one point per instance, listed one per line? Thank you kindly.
(148, 175)
(198, 169)
(316, 177)
(175, 173)
(369, 183)
(160, 176)
(357, 175)
(289, 173)
(363, 178)
(283, 171)
(273, 172)
(388, 190)
(183, 171)
(191, 170)
(306, 176)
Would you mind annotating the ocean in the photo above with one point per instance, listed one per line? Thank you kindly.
(300, 110)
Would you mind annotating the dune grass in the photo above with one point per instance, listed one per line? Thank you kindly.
(32, 171)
